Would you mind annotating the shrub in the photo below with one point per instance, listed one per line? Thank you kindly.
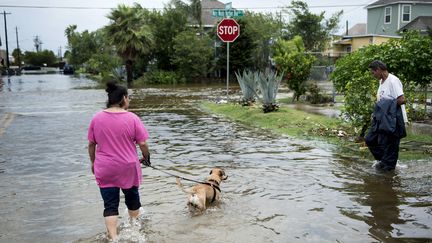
(408, 58)
(315, 96)
(248, 85)
(269, 82)
(163, 77)
(290, 57)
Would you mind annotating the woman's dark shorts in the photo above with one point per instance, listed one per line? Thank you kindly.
(111, 197)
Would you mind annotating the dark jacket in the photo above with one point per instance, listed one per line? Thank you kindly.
(388, 118)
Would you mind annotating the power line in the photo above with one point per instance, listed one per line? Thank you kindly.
(109, 8)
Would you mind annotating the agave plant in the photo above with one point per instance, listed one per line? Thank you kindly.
(269, 82)
(119, 73)
(249, 87)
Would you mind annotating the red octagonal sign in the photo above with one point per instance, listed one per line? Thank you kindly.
(228, 30)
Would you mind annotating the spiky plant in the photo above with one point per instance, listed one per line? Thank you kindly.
(269, 82)
(249, 86)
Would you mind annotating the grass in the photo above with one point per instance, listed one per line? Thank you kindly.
(286, 120)
(301, 124)
(288, 100)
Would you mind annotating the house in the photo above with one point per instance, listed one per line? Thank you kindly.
(387, 17)
(350, 43)
(207, 20)
(355, 38)
(421, 23)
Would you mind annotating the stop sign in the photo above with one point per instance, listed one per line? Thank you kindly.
(228, 30)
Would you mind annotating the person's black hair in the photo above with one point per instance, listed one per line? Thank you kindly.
(115, 94)
(374, 65)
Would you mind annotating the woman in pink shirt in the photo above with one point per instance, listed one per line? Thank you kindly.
(113, 135)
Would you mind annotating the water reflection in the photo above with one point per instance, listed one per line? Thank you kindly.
(384, 202)
(3, 84)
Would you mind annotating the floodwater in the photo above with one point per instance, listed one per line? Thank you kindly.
(279, 189)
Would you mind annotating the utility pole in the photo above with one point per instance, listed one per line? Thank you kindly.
(19, 50)
(7, 49)
(38, 43)
(59, 54)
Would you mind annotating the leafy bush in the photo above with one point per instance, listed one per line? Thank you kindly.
(315, 95)
(40, 58)
(163, 77)
(248, 85)
(290, 57)
(192, 54)
(318, 73)
(407, 58)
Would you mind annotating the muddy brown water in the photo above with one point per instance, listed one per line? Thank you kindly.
(279, 189)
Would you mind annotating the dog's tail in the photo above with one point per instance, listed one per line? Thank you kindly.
(180, 185)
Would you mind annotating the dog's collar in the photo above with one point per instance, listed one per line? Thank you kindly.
(213, 180)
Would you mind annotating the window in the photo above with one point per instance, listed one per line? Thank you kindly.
(406, 13)
(348, 49)
(387, 15)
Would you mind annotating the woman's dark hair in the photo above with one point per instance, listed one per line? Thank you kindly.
(374, 65)
(115, 94)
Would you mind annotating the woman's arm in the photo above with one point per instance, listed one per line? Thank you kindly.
(144, 151)
(92, 154)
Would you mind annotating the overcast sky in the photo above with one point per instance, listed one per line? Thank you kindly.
(48, 19)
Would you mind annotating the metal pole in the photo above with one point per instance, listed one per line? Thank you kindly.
(19, 50)
(227, 89)
(7, 49)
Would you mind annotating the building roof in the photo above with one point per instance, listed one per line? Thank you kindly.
(357, 29)
(206, 12)
(419, 23)
(381, 3)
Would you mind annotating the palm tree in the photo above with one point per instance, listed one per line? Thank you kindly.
(130, 34)
(195, 11)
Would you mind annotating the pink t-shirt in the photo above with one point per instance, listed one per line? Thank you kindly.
(116, 135)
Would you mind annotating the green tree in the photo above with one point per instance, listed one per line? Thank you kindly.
(240, 52)
(130, 34)
(295, 63)
(252, 49)
(263, 29)
(195, 11)
(41, 58)
(313, 28)
(408, 58)
(18, 56)
(81, 46)
(192, 54)
(352, 77)
(166, 26)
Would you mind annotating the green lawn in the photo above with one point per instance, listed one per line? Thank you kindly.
(301, 124)
(285, 121)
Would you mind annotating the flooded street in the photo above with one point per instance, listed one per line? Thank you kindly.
(279, 189)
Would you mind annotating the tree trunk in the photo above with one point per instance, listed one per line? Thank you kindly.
(129, 74)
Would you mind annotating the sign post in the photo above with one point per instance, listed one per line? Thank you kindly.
(228, 30)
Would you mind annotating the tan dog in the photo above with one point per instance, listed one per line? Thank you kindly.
(203, 194)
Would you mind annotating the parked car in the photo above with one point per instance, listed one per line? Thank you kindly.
(68, 69)
(30, 67)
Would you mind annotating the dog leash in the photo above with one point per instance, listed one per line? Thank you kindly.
(183, 178)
